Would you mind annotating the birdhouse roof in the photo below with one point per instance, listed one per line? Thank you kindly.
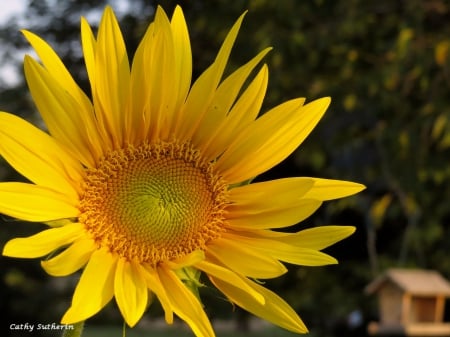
(418, 282)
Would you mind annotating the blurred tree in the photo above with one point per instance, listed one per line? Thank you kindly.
(386, 65)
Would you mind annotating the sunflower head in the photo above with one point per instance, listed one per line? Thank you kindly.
(148, 172)
(153, 203)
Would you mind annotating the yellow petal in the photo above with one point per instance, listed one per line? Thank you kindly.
(304, 256)
(270, 204)
(187, 260)
(161, 74)
(44, 242)
(183, 55)
(225, 274)
(185, 304)
(56, 68)
(274, 309)
(270, 139)
(58, 223)
(280, 217)
(138, 116)
(203, 90)
(130, 290)
(35, 203)
(269, 194)
(154, 283)
(271, 119)
(249, 104)
(95, 287)
(89, 46)
(318, 237)
(280, 250)
(62, 114)
(71, 259)
(244, 111)
(112, 75)
(328, 189)
(37, 156)
(223, 100)
(160, 77)
(245, 261)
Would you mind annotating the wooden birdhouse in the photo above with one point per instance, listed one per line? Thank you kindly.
(411, 303)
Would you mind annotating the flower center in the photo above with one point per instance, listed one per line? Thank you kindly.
(154, 202)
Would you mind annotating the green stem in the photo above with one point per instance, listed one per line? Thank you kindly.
(76, 331)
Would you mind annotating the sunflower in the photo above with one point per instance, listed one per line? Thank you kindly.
(145, 186)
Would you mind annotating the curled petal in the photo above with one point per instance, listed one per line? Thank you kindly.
(187, 260)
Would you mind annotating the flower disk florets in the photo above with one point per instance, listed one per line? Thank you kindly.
(154, 202)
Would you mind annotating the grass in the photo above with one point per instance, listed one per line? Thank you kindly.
(112, 331)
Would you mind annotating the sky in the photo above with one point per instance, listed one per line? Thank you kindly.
(10, 8)
(8, 73)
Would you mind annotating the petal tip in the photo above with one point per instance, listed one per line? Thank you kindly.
(7, 251)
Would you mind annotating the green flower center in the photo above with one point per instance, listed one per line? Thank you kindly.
(154, 202)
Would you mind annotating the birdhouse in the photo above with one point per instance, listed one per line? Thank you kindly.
(411, 303)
